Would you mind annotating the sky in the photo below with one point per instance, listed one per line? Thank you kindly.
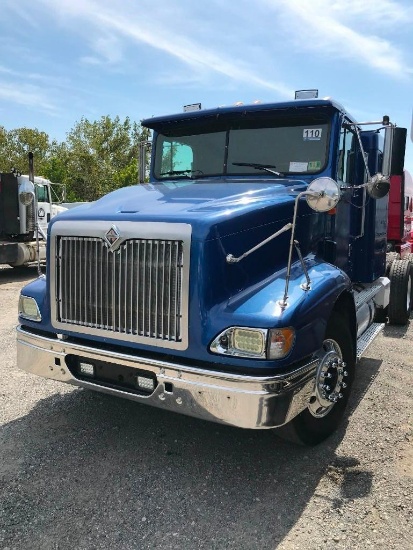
(61, 60)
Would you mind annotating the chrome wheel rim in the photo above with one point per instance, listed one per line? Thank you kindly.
(330, 382)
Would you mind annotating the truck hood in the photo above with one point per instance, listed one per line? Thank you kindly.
(227, 219)
(203, 204)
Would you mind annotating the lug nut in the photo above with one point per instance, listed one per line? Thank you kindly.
(345, 373)
(340, 396)
(343, 385)
(325, 387)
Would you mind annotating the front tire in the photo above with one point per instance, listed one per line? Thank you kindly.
(334, 379)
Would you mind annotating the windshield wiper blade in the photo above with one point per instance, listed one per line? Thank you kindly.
(186, 173)
(191, 174)
(258, 166)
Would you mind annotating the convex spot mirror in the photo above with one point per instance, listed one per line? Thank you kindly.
(26, 192)
(378, 186)
(323, 194)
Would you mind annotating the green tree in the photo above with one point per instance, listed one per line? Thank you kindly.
(101, 156)
(15, 146)
(97, 157)
(56, 164)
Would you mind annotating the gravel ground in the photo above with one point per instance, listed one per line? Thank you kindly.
(83, 470)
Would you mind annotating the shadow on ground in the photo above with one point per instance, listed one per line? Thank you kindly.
(87, 470)
(396, 331)
(19, 274)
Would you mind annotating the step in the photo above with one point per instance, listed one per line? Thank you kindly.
(367, 337)
(365, 295)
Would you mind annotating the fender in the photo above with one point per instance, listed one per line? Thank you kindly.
(307, 311)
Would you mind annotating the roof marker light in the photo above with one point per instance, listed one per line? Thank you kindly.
(306, 94)
(192, 107)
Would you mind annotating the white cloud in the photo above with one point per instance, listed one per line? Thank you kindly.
(378, 13)
(334, 29)
(28, 96)
(153, 28)
(319, 26)
(209, 45)
(108, 48)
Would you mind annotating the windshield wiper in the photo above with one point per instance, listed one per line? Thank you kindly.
(191, 174)
(258, 166)
(186, 173)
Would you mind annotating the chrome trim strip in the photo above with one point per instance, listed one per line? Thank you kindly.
(237, 400)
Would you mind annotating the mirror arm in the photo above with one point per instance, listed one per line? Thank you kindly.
(363, 153)
(384, 123)
(233, 260)
(307, 285)
(329, 195)
(283, 303)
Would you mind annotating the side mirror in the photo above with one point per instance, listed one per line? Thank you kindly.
(394, 151)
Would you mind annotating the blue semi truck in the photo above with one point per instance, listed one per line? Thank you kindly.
(242, 282)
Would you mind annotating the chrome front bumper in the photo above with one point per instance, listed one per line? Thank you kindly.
(236, 400)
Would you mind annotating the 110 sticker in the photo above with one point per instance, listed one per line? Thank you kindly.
(312, 134)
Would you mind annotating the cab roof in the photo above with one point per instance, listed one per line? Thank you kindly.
(157, 122)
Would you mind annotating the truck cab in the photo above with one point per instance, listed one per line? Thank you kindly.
(241, 283)
(21, 223)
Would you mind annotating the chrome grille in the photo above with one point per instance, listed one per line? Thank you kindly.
(134, 290)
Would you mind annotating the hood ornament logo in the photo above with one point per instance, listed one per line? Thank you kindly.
(112, 237)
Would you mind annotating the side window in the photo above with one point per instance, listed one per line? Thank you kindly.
(176, 157)
(346, 156)
(42, 194)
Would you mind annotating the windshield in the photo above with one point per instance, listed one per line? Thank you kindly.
(241, 146)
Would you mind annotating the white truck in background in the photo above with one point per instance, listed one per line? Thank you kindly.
(23, 222)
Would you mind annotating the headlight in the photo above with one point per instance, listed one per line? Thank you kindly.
(249, 341)
(29, 309)
(254, 342)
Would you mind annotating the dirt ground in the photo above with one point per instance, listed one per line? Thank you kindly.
(84, 470)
